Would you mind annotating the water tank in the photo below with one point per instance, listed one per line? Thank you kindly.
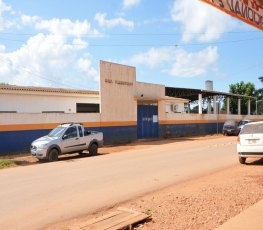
(209, 85)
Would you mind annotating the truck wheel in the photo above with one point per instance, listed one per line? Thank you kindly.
(53, 155)
(93, 150)
(242, 160)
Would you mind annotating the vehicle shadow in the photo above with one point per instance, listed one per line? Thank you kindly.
(161, 141)
(72, 157)
(258, 162)
(24, 162)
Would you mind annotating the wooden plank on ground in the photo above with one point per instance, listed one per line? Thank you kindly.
(106, 223)
(119, 219)
(129, 221)
(94, 220)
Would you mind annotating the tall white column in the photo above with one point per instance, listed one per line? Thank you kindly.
(239, 106)
(209, 106)
(256, 107)
(227, 106)
(248, 107)
(200, 103)
(215, 105)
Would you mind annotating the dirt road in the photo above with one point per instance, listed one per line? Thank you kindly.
(36, 196)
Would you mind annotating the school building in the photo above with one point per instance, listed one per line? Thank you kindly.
(123, 109)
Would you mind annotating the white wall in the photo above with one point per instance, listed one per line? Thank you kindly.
(170, 118)
(146, 91)
(48, 118)
(32, 103)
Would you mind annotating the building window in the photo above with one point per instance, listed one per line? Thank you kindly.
(88, 108)
(175, 108)
(172, 108)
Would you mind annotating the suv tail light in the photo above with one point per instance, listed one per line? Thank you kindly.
(238, 139)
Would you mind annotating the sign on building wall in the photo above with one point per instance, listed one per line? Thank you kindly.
(249, 11)
(117, 87)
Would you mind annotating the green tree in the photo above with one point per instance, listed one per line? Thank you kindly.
(244, 89)
(260, 98)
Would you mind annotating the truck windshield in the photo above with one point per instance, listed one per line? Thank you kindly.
(57, 132)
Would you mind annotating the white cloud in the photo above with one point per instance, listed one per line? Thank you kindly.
(85, 66)
(63, 27)
(53, 59)
(177, 62)
(29, 20)
(66, 27)
(46, 60)
(194, 64)
(79, 43)
(200, 21)
(103, 22)
(130, 3)
(153, 57)
(2, 48)
(4, 7)
(5, 22)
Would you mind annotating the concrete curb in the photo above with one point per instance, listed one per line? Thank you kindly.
(251, 218)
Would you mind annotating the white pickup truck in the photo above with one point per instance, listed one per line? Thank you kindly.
(66, 138)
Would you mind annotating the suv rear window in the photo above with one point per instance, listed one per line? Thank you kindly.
(243, 122)
(232, 123)
(250, 129)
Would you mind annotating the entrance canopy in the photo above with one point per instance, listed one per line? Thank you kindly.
(192, 94)
(249, 11)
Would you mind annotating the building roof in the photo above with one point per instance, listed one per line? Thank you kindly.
(192, 94)
(176, 98)
(46, 89)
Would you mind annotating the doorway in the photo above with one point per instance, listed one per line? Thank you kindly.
(147, 121)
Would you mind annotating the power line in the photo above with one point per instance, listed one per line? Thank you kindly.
(179, 44)
(138, 34)
(247, 68)
(152, 45)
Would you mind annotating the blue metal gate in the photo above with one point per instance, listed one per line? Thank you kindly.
(147, 121)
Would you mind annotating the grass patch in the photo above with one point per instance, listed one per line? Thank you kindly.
(4, 163)
(147, 212)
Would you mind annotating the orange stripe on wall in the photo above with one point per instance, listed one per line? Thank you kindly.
(119, 123)
(177, 122)
(110, 123)
(20, 127)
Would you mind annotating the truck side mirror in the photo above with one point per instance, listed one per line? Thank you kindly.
(64, 136)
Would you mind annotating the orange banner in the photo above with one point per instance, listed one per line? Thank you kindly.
(249, 11)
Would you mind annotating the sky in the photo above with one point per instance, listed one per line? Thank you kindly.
(177, 43)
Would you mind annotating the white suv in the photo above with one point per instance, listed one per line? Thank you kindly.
(250, 141)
